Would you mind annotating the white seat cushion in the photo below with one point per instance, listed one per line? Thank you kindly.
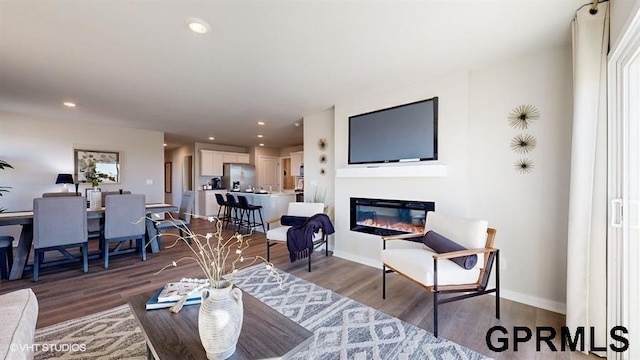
(18, 316)
(415, 260)
(296, 209)
(417, 264)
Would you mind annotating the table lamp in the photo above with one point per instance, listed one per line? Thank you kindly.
(64, 179)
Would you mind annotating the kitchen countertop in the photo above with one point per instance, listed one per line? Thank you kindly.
(262, 194)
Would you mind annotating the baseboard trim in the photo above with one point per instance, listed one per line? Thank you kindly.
(359, 259)
(534, 301)
(504, 293)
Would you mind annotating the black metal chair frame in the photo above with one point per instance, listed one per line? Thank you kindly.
(234, 210)
(492, 256)
(224, 214)
(316, 244)
(250, 211)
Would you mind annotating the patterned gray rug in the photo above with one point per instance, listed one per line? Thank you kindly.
(110, 334)
(343, 328)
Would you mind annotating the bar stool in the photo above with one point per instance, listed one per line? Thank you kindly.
(6, 256)
(250, 211)
(234, 210)
(224, 214)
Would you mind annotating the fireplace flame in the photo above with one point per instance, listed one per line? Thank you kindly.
(397, 226)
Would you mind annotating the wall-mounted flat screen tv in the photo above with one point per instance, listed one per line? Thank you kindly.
(401, 133)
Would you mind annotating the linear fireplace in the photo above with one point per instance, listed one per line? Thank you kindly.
(388, 217)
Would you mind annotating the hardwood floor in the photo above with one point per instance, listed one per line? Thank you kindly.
(67, 293)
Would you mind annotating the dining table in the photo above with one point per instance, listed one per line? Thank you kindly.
(25, 218)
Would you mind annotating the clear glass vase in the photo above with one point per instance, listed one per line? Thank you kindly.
(220, 320)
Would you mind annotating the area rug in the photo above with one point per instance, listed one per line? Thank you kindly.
(342, 328)
(110, 334)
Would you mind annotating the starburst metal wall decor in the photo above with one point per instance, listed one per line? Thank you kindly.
(322, 171)
(522, 116)
(322, 144)
(522, 144)
(323, 159)
(524, 166)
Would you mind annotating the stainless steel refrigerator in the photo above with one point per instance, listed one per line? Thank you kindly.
(241, 174)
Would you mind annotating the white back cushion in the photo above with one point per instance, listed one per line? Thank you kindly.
(305, 209)
(470, 233)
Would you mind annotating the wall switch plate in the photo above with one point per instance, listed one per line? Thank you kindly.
(149, 182)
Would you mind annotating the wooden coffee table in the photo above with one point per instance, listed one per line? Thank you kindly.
(265, 332)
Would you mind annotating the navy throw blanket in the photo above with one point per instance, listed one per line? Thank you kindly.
(441, 244)
(300, 237)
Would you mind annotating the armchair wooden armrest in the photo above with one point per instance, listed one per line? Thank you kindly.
(273, 220)
(402, 236)
(455, 254)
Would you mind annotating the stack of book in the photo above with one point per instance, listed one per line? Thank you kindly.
(172, 292)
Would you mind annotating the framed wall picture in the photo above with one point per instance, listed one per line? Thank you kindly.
(167, 177)
(300, 184)
(97, 164)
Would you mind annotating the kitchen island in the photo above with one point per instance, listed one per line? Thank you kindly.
(273, 205)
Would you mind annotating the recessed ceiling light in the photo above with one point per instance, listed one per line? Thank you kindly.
(198, 26)
(260, 136)
(261, 144)
(260, 122)
(165, 144)
(296, 124)
(69, 104)
(211, 138)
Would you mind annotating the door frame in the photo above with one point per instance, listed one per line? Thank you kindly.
(624, 55)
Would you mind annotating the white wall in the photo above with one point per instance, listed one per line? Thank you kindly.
(317, 185)
(177, 158)
(40, 148)
(450, 193)
(529, 211)
(620, 14)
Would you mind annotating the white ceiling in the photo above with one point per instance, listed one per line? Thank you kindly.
(134, 63)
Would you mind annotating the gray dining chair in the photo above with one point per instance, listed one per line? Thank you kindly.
(107, 193)
(183, 219)
(59, 223)
(93, 225)
(124, 220)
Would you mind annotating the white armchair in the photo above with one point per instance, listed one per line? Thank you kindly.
(278, 234)
(407, 255)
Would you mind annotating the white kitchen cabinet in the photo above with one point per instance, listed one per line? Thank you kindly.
(208, 203)
(297, 160)
(206, 163)
(229, 157)
(218, 160)
(243, 159)
(211, 161)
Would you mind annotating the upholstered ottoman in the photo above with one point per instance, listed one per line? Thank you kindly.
(18, 316)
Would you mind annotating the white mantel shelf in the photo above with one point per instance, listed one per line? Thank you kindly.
(430, 170)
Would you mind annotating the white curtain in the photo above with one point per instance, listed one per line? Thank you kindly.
(586, 255)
